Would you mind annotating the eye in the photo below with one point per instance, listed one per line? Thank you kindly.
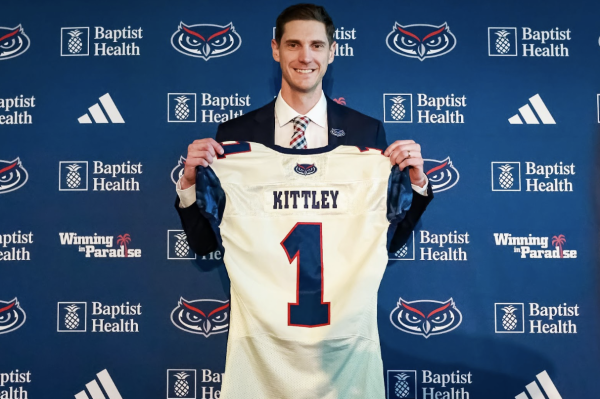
(435, 41)
(221, 317)
(408, 42)
(8, 43)
(192, 41)
(193, 317)
(7, 177)
(439, 319)
(412, 318)
(219, 42)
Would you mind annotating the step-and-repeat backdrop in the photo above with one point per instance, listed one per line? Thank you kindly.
(100, 100)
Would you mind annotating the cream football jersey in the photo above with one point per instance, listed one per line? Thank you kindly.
(304, 234)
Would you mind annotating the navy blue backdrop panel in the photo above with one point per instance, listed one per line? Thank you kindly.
(494, 297)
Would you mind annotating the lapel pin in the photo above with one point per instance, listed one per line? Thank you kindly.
(337, 132)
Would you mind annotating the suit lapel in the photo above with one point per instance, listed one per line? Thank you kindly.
(264, 128)
(335, 123)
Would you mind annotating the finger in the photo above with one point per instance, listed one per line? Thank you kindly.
(398, 156)
(216, 146)
(410, 162)
(201, 154)
(395, 144)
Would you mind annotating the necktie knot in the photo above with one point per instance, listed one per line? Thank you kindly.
(298, 140)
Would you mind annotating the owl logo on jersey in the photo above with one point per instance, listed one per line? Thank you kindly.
(201, 316)
(11, 316)
(305, 169)
(206, 41)
(441, 174)
(426, 317)
(12, 175)
(177, 171)
(13, 42)
(421, 41)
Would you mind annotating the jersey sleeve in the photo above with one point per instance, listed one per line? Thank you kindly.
(210, 198)
(399, 194)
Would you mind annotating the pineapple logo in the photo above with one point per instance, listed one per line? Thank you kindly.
(406, 252)
(506, 176)
(182, 387)
(75, 45)
(73, 176)
(182, 107)
(506, 179)
(402, 252)
(71, 318)
(502, 43)
(509, 318)
(397, 108)
(398, 111)
(182, 111)
(182, 248)
(75, 41)
(181, 384)
(401, 387)
(177, 246)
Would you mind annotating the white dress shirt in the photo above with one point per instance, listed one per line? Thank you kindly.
(316, 137)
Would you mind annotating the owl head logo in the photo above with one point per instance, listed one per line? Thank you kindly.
(441, 174)
(201, 316)
(13, 42)
(206, 41)
(305, 169)
(177, 171)
(421, 41)
(11, 316)
(12, 175)
(426, 317)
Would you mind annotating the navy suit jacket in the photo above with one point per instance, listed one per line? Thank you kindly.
(259, 126)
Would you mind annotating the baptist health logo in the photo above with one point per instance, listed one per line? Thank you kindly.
(178, 247)
(536, 392)
(73, 176)
(502, 42)
(98, 115)
(407, 252)
(506, 176)
(402, 384)
(74, 41)
(397, 108)
(509, 318)
(181, 384)
(72, 317)
(528, 115)
(181, 107)
(109, 387)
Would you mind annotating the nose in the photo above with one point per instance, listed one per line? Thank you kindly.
(305, 55)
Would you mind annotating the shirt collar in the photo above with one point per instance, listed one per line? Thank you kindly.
(284, 113)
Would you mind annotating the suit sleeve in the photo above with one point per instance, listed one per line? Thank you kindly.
(403, 229)
(199, 232)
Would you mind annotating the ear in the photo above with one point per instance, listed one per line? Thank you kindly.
(332, 52)
(275, 48)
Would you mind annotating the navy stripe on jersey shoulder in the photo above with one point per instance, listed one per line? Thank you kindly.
(399, 194)
(234, 148)
(210, 198)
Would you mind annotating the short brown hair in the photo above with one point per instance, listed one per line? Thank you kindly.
(304, 12)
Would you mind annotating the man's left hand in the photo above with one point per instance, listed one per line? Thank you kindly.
(408, 153)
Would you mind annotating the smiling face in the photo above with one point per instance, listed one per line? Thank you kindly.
(304, 53)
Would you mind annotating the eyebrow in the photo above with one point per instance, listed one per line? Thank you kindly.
(289, 41)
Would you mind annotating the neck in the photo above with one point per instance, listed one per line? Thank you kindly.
(299, 101)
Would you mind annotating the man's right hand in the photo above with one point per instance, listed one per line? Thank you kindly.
(200, 153)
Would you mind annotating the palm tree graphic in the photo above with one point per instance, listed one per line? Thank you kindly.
(559, 241)
(125, 239)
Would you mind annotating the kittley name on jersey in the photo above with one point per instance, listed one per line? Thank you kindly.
(306, 199)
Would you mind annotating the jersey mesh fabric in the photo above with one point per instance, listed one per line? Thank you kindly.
(269, 355)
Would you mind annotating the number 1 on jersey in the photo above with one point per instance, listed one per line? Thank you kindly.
(305, 244)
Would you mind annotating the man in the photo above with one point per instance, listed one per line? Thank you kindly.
(301, 117)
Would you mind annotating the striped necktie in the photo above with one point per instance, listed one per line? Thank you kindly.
(298, 138)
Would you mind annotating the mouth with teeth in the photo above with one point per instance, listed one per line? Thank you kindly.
(304, 71)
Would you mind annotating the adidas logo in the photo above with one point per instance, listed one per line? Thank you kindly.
(94, 389)
(535, 392)
(530, 118)
(98, 115)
